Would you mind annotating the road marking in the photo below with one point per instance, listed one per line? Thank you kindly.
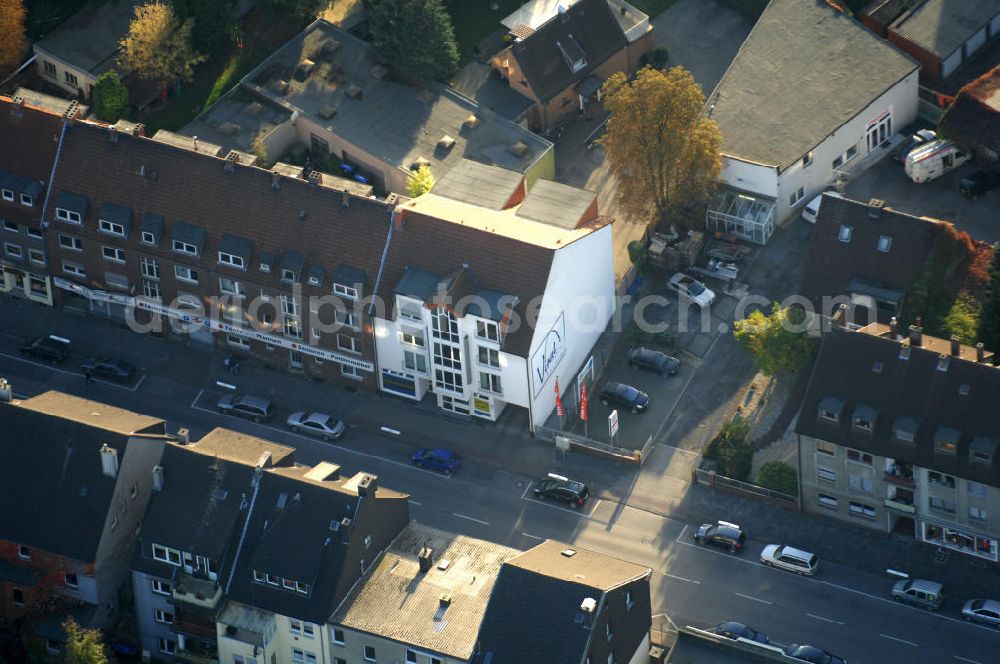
(469, 518)
(835, 622)
(966, 659)
(680, 578)
(893, 638)
(683, 530)
(756, 599)
(413, 502)
(394, 432)
(200, 392)
(139, 383)
(534, 537)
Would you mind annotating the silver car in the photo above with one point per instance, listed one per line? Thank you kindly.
(325, 426)
(986, 611)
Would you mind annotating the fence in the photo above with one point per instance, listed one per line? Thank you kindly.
(709, 478)
(580, 443)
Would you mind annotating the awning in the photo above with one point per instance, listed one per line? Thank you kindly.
(589, 85)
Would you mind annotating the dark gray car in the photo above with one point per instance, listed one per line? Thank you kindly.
(253, 408)
(653, 360)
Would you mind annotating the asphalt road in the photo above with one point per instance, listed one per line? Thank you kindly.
(841, 609)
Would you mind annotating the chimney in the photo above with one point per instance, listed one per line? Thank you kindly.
(980, 355)
(956, 346)
(904, 351)
(588, 607)
(194, 140)
(112, 134)
(426, 559)
(894, 328)
(916, 335)
(109, 461)
(942, 362)
(183, 436)
(444, 600)
(367, 485)
(7, 394)
(157, 478)
(275, 181)
(840, 316)
(231, 162)
(17, 106)
(345, 198)
(875, 206)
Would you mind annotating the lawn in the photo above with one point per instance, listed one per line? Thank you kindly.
(474, 21)
(653, 8)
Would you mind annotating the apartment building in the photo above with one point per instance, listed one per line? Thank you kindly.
(896, 434)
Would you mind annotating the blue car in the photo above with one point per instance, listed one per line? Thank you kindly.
(438, 458)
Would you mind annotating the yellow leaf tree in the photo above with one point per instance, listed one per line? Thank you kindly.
(158, 45)
(12, 41)
(420, 181)
(664, 152)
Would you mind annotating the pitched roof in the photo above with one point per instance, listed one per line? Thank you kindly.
(974, 117)
(396, 600)
(28, 142)
(960, 397)
(804, 70)
(89, 39)
(835, 266)
(537, 597)
(491, 187)
(558, 204)
(569, 47)
(942, 26)
(53, 493)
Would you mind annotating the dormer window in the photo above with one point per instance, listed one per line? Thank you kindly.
(572, 53)
(231, 260)
(904, 429)
(187, 238)
(287, 275)
(291, 266)
(946, 440)
(864, 418)
(185, 248)
(110, 227)
(830, 409)
(27, 200)
(884, 242)
(68, 216)
(982, 450)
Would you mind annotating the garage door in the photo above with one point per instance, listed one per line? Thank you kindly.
(975, 42)
(951, 63)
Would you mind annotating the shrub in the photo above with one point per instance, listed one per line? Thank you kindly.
(110, 97)
(778, 476)
(730, 451)
(962, 320)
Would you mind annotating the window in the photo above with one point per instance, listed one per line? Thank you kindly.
(860, 509)
(292, 328)
(71, 581)
(487, 329)
(289, 305)
(13, 250)
(345, 291)
(36, 256)
(859, 457)
(339, 660)
(17, 596)
(851, 153)
(53, 647)
(148, 238)
(295, 627)
(945, 446)
(162, 587)
(859, 483)
(444, 326)
(977, 514)
(27, 200)
(975, 489)
(351, 372)
(49, 68)
(166, 554)
(413, 337)
(447, 356)
(310, 658)
(149, 267)
(73, 268)
(163, 617)
(8, 195)
(941, 504)
(837, 163)
(410, 310)
(489, 356)
(411, 657)
(287, 275)
(70, 242)
(71, 79)
(489, 382)
(110, 227)
(113, 254)
(826, 474)
(151, 289)
(33, 232)
(258, 576)
(449, 380)
(273, 580)
(824, 447)
(369, 653)
(24, 552)
(185, 248)
(307, 629)
(884, 242)
(940, 479)
(185, 273)
(232, 260)
(11, 226)
(826, 501)
(338, 637)
(304, 589)
(167, 646)
(244, 659)
(347, 343)
(288, 584)
(435, 660)
(69, 216)
(980, 456)
(807, 159)
(796, 196)
(345, 319)
(231, 286)
(415, 361)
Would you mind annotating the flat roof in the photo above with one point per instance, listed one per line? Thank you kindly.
(536, 12)
(474, 182)
(567, 562)
(241, 447)
(804, 70)
(49, 103)
(942, 26)
(556, 204)
(237, 120)
(88, 40)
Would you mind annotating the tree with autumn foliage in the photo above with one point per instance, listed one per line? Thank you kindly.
(158, 45)
(665, 153)
(83, 646)
(420, 181)
(12, 40)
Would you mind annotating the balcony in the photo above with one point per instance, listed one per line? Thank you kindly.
(195, 653)
(196, 592)
(900, 505)
(246, 624)
(899, 473)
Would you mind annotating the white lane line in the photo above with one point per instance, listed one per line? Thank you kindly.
(139, 383)
(893, 638)
(40, 364)
(835, 622)
(966, 659)
(683, 530)
(469, 518)
(534, 537)
(200, 392)
(680, 578)
(413, 502)
(755, 599)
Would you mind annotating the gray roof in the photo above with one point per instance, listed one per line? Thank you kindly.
(267, 258)
(20, 184)
(194, 143)
(346, 275)
(51, 103)
(481, 184)
(189, 233)
(294, 261)
(316, 273)
(73, 202)
(396, 601)
(152, 223)
(237, 246)
(804, 70)
(942, 26)
(491, 304)
(418, 284)
(89, 39)
(557, 204)
(117, 214)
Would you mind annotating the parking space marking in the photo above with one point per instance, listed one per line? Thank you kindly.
(681, 578)
(893, 638)
(72, 373)
(966, 659)
(538, 501)
(835, 622)
(200, 392)
(470, 518)
(683, 530)
(413, 502)
(755, 599)
(534, 537)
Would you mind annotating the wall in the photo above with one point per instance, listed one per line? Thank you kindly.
(383, 175)
(146, 603)
(83, 79)
(812, 486)
(49, 571)
(386, 650)
(930, 64)
(753, 178)
(285, 641)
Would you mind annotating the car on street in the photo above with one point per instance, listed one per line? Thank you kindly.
(811, 209)
(979, 184)
(562, 489)
(325, 426)
(735, 630)
(253, 408)
(919, 138)
(812, 654)
(51, 349)
(723, 534)
(986, 611)
(692, 289)
(919, 592)
(108, 367)
(624, 395)
(790, 559)
(437, 458)
(653, 360)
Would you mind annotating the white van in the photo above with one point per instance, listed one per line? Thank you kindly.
(932, 160)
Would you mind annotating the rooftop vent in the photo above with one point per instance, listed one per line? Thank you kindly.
(253, 109)
(877, 367)
(444, 565)
(875, 206)
(220, 494)
(304, 69)
(444, 599)
(904, 351)
(281, 87)
(112, 134)
(569, 553)
(426, 559)
(519, 149)
(471, 122)
(418, 162)
(963, 389)
(327, 112)
(157, 478)
(282, 500)
(588, 605)
(330, 46)
(942, 364)
(109, 461)
(980, 351)
(378, 72)
(353, 91)
(446, 142)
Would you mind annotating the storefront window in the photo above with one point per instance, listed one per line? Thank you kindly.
(958, 540)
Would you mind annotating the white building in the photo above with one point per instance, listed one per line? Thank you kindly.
(488, 305)
(811, 97)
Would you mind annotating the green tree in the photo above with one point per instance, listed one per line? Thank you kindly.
(303, 9)
(962, 319)
(214, 21)
(158, 45)
(779, 476)
(420, 181)
(83, 646)
(13, 43)
(665, 153)
(989, 321)
(730, 451)
(777, 342)
(110, 97)
(416, 39)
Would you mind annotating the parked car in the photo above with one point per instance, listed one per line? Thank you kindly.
(722, 533)
(811, 209)
(653, 360)
(735, 630)
(986, 611)
(919, 138)
(437, 458)
(253, 408)
(979, 184)
(692, 289)
(813, 654)
(919, 592)
(563, 489)
(108, 367)
(624, 395)
(789, 558)
(325, 426)
(50, 349)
